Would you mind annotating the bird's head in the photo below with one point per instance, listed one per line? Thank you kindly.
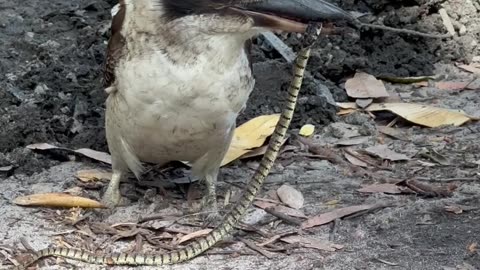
(232, 16)
(242, 16)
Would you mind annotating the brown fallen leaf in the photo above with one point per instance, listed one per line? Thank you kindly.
(260, 151)
(354, 160)
(393, 132)
(363, 102)
(384, 152)
(452, 85)
(381, 188)
(193, 235)
(458, 209)
(250, 135)
(335, 214)
(96, 155)
(280, 208)
(93, 175)
(353, 141)
(454, 209)
(364, 85)
(77, 191)
(93, 154)
(57, 200)
(428, 189)
(472, 68)
(311, 243)
(264, 204)
(420, 114)
(290, 196)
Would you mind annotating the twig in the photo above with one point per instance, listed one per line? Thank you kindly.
(374, 208)
(335, 223)
(404, 31)
(275, 238)
(258, 249)
(283, 216)
(454, 179)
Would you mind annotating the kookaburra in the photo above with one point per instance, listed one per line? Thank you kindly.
(178, 74)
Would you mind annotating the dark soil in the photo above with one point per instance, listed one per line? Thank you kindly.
(51, 57)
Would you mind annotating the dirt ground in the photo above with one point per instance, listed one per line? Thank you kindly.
(51, 54)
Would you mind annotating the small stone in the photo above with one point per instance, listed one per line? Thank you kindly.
(290, 196)
(463, 30)
(41, 89)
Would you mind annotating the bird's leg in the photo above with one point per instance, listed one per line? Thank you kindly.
(112, 197)
(209, 206)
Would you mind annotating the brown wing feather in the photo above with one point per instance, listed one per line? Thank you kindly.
(115, 46)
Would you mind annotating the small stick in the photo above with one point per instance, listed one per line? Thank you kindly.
(283, 216)
(258, 249)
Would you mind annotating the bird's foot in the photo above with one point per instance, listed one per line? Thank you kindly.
(209, 211)
(111, 198)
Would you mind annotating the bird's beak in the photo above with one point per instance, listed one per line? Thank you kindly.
(291, 15)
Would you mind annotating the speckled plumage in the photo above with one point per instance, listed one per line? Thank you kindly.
(175, 89)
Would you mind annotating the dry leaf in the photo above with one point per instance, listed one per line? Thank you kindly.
(96, 155)
(307, 130)
(311, 243)
(335, 214)
(392, 132)
(353, 141)
(345, 111)
(57, 200)
(384, 152)
(42, 146)
(289, 211)
(454, 209)
(381, 188)
(264, 204)
(472, 68)
(280, 208)
(261, 150)
(451, 85)
(355, 161)
(417, 113)
(423, 114)
(364, 85)
(250, 135)
(93, 175)
(77, 191)
(363, 102)
(290, 196)
(193, 235)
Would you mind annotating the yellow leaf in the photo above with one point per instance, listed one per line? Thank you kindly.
(93, 175)
(307, 130)
(417, 113)
(423, 114)
(57, 200)
(250, 135)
